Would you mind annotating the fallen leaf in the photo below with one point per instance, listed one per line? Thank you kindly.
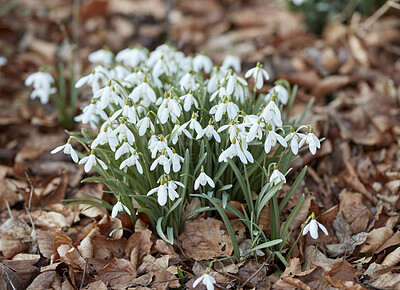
(376, 238)
(118, 271)
(106, 249)
(138, 245)
(204, 239)
(53, 220)
(44, 281)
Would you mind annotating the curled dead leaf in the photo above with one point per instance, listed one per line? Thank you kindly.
(376, 238)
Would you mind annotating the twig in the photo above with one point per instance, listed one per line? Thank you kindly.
(9, 280)
(9, 210)
(84, 274)
(252, 276)
(378, 13)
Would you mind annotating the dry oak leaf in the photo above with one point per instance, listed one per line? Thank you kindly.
(46, 280)
(376, 238)
(287, 280)
(98, 285)
(53, 220)
(118, 271)
(342, 276)
(138, 245)
(330, 84)
(20, 273)
(107, 249)
(205, 239)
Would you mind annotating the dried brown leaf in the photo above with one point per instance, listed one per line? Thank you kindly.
(376, 238)
(106, 249)
(138, 245)
(205, 239)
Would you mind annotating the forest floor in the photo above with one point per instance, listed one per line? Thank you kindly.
(352, 183)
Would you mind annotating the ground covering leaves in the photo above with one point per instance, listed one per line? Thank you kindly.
(352, 184)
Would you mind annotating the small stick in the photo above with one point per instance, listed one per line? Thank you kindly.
(9, 280)
(84, 274)
(9, 210)
(252, 276)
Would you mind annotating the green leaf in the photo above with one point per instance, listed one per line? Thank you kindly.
(267, 245)
(161, 233)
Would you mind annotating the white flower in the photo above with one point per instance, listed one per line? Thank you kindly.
(158, 146)
(281, 93)
(277, 177)
(127, 112)
(144, 124)
(272, 114)
(259, 74)
(125, 148)
(91, 161)
(312, 141)
(67, 149)
(294, 139)
(103, 55)
(207, 280)
(172, 186)
(119, 207)
(177, 131)
(256, 130)
(219, 110)
(272, 139)
(122, 131)
(203, 179)
(42, 83)
(298, 2)
(131, 56)
(162, 193)
(312, 227)
(237, 149)
(210, 132)
(231, 61)
(132, 160)
(232, 109)
(194, 124)
(221, 92)
(202, 61)
(144, 92)
(217, 75)
(92, 79)
(176, 161)
(162, 160)
(189, 100)
(188, 82)
(234, 83)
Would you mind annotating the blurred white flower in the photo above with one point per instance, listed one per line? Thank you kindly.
(103, 55)
(189, 100)
(202, 61)
(42, 83)
(259, 74)
(231, 61)
(280, 92)
(3, 61)
(131, 56)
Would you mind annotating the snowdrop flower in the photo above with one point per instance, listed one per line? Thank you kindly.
(280, 92)
(221, 93)
(194, 124)
(125, 148)
(189, 100)
(233, 131)
(158, 146)
(103, 55)
(312, 141)
(256, 130)
(162, 160)
(231, 61)
(217, 75)
(127, 112)
(131, 56)
(232, 109)
(210, 132)
(219, 110)
(272, 139)
(118, 207)
(277, 177)
(259, 74)
(162, 193)
(144, 92)
(202, 61)
(272, 114)
(298, 2)
(67, 149)
(91, 161)
(3, 61)
(132, 160)
(203, 179)
(294, 139)
(207, 281)
(178, 130)
(91, 113)
(172, 186)
(99, 74)
(144, 124)
(42, 83)
(237, 149)
(188, 82)
(176, 161)
(123, 132)
(234, 83)
(313, 226)
(133, 79)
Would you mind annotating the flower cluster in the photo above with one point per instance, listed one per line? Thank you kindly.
(165, 130)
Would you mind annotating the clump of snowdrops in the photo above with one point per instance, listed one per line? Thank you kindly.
(167, 128)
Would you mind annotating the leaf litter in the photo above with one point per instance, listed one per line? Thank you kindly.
(353, 183)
